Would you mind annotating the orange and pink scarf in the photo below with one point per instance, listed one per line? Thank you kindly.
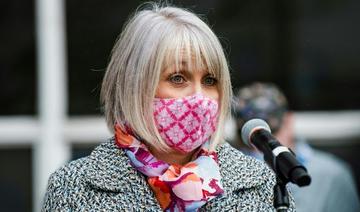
(176, 187)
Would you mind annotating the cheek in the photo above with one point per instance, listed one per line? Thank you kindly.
(212, 93)
(164, 91)
(161, 90)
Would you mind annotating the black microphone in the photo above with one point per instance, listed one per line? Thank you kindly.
(280, 158)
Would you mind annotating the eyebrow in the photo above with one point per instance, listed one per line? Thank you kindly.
(185, 71)
(182, 68)
(182, 64)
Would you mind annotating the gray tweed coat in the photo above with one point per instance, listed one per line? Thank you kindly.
(105, 181)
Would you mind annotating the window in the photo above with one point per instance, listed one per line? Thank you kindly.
(50, 87)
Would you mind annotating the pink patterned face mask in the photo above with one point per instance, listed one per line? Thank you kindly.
(186, 123)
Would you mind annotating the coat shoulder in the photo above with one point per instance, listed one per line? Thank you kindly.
(242, 171)
(102, 181)
(61, 184)
(248, 183)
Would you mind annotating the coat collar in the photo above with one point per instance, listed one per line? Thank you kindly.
(109, 169)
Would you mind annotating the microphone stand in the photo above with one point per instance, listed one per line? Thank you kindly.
(281, 196)
(285, 165)
(298, 175)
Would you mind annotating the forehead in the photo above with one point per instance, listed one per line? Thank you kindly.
(191, 47)
(183, 60)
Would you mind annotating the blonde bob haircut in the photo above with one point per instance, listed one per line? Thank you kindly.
(154, 38)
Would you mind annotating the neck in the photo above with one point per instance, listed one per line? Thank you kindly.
(172, 157)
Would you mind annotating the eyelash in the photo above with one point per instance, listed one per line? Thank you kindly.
(173, 76)
(212, 78)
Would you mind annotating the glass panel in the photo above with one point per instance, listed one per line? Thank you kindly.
(82, 150)
(17, 58)
(309, 50)
(92, 27)
(16, 179)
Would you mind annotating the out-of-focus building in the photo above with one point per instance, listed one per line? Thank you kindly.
(53, 55)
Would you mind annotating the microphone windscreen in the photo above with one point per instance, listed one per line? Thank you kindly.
(251, 126)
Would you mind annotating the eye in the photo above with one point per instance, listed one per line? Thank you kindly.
(177, 79)
(209, 81)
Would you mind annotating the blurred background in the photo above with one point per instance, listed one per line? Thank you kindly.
(53, 54)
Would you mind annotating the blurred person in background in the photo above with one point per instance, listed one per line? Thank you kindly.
(166, 95)
(332, 187)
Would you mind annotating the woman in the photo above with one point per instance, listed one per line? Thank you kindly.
(166, 95)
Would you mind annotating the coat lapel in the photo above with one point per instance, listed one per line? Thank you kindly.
(109, 170)
(108, 167)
